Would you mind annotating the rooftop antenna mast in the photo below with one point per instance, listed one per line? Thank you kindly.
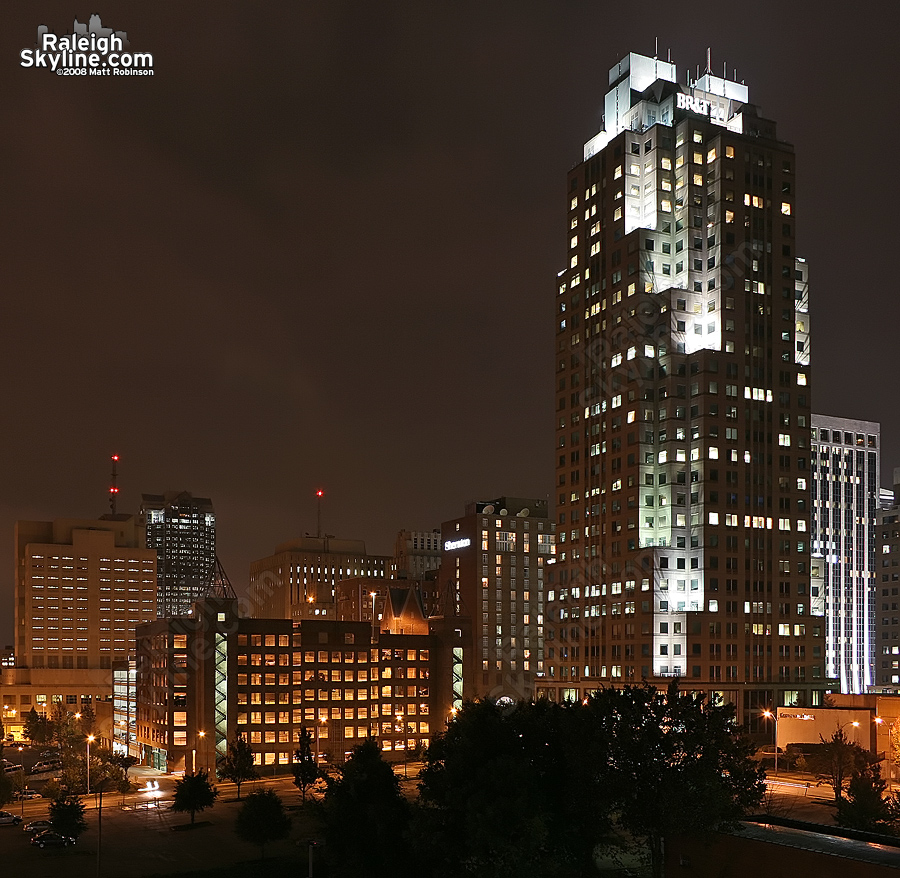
(113, 485)
(708, 60)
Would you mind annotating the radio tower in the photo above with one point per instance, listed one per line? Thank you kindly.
(113, 486)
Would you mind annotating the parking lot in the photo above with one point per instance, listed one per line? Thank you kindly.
(141, 836)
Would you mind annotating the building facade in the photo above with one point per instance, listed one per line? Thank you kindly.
(205, 678)
(683, 404)
(845, 499)
(181, 529)
(81, 588)
(416, 552)
(493, 573)
(298, 581)
(887, 590)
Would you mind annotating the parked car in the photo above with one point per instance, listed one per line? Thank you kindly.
(52, 755)
(7, 818)
(51, 838)
(9, 768)
(18, 795)
(37, 826)
(46, 765)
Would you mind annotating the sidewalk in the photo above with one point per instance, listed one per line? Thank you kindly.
(144, 771)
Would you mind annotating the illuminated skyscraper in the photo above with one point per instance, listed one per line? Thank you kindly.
(182, 529)
(682, 404)
(845, 492)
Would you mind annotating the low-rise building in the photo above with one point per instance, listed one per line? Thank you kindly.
(205, 678)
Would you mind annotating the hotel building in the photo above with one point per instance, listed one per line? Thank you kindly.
(493, 574)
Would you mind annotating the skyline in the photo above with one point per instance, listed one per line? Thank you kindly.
(335, 245)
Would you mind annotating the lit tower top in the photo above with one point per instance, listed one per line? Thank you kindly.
(644, 91)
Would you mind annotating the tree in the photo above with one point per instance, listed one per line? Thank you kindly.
(306, 772)
(237, 764)
(678, 761)
(124, 762)
(866, 807)
(67, 815)
(366, 796)
(262, 819)
(514, 789)
(88, 720)
(37, 727)
(835, 760)
(193, 793)
(63, 730)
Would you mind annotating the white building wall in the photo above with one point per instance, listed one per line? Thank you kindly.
(845, 494)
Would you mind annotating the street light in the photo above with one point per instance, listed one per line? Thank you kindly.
(768, 714)
(89, 739)
(854, 723)
(201, 735)
(372, 595)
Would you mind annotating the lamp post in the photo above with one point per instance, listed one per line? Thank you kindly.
(201, 735)
(372, 595)
(89, 739)
(854, 723)
(774, 716)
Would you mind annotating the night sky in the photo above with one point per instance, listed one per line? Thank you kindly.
(318, 247)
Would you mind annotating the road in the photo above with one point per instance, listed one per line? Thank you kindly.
(797, 796)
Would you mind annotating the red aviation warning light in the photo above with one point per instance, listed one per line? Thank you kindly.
(113, 488)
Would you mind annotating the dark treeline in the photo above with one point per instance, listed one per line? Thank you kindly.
(543, 789)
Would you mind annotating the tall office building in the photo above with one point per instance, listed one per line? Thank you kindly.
(683, 404)
(182, 530)
(845, 498)
(887, 585)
